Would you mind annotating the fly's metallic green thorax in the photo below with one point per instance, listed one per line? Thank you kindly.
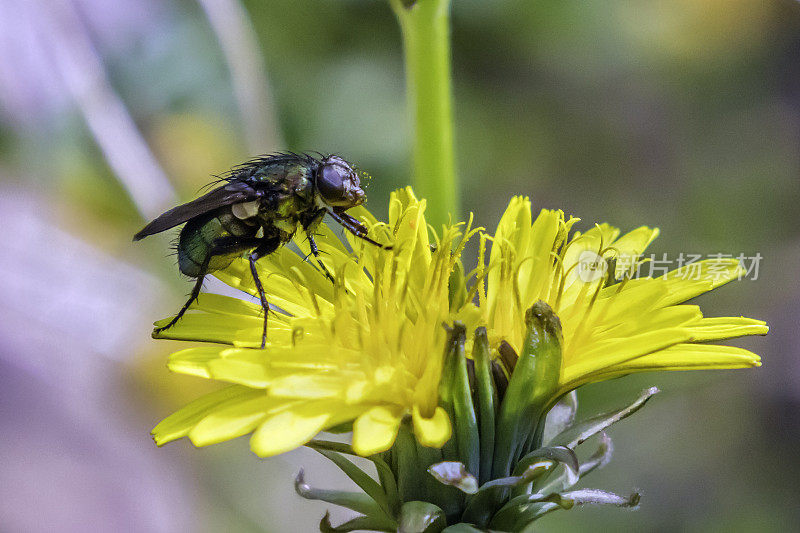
(282, 178)
(257, 209)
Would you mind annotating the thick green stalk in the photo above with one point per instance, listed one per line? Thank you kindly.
(425, 25)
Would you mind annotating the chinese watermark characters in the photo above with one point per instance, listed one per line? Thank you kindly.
(712, 267)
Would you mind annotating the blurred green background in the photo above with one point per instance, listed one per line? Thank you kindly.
(681, 114)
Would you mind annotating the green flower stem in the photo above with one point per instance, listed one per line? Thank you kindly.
(425, 26)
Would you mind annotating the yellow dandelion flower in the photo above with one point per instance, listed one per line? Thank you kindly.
(369, 353)
(367, 349)
(612, 325)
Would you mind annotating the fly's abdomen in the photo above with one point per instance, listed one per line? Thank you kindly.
(199, 238)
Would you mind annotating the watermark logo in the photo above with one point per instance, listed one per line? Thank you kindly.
(591, 266)
(712, 267)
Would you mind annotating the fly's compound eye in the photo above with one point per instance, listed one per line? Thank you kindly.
(331, 181)
(339, 185)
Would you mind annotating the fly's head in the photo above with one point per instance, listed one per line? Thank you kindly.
(338, 184)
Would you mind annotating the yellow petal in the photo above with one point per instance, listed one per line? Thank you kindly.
(179, 423)
(287, 282)
(670, 317)
(718, 328)
(408, 234)
(535, 274)
(232, 421)
(251, 373)
(598, 239)
(194, 361)
(629, 247)
(225, 305)
(434, 431)
(580, 362)
(289, 429)
(617, 303)
(688, 357)
(515, 225)
(375, 430)
(697, 278)
(335, 257)
(503, 256)
(226, 329)
(297, 422)
(591, 246)
(309, 386)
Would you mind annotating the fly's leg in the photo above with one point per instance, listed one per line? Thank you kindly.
(355, 227)
(309, 225)
(195, 293)
(315, 252)
(266, 247)
(223, 245)
(264, 304)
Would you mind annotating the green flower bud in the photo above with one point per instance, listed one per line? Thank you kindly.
(532, 388)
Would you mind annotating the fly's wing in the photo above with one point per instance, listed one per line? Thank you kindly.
(232, 193)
